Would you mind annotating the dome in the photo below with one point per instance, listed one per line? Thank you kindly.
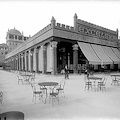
(14, 31)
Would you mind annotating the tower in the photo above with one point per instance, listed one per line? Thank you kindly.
(14, 38)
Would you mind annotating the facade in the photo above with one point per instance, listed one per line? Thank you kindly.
(3, 52)
(56, 45)
(14, 38)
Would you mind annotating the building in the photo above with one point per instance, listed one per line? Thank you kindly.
(14, 38)
(3, 52)
(82, 46)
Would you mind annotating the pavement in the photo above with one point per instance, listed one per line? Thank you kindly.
(78, 103)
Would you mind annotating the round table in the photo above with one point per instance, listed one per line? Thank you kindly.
(95, 78)
(48, 83)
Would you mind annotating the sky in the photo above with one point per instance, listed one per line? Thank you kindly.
(30, 16)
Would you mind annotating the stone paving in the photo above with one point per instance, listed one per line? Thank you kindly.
(77, 104)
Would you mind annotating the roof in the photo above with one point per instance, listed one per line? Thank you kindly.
(14, 31)
(4, 45)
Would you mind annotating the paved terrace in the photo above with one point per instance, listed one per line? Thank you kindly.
(77, 104)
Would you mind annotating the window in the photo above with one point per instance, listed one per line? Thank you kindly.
(6, 52)
(11, 36)
(15, 37)
(20, 37)
(24, 38)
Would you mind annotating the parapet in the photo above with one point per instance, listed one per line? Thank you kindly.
(95, 26)
(64, 27)
(42, 31)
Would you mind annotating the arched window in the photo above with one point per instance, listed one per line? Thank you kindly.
(15, 37)
(11, 36)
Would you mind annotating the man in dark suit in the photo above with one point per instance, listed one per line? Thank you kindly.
(66, 72)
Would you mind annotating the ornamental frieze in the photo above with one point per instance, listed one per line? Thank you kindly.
(96, 33)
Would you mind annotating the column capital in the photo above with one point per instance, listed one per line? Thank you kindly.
(75, 47)
(43, 47)
(36, 50)
(54, 44)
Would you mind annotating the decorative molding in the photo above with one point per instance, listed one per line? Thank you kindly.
(75, 47)
(86, 30)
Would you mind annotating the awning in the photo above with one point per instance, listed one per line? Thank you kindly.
(111, 54)
(101, 54)
(89, 53)
(116, 51)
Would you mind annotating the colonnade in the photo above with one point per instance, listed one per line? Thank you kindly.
(40, 59)
(35, 59)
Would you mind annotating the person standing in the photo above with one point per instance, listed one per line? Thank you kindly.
(66, 72)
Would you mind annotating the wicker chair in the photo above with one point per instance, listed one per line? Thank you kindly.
(36, 92)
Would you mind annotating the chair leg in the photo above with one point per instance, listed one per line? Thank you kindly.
(53, 99)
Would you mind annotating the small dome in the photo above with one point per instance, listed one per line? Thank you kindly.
(14, 31)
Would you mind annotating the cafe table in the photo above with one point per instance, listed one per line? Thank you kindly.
(48, 84)
(95, 81)
(26, 77)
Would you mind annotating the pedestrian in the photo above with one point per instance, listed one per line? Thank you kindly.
(86, 73)
(66, 72)
(102, 68)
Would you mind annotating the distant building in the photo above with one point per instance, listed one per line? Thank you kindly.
(14, 38)
(3, 52)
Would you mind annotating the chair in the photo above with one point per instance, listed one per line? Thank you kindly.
(36, 92)
(33, 77)
(114, 80)
(102, 84)
(60, 87)
(1, 97)
(43, 88)
(54, 95)
(20, 78)
(88, 84)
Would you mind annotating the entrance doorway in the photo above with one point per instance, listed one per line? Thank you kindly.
(64, 55)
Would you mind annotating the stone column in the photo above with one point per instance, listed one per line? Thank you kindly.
(11, 63)
(69, 60)
(21, 62)
(37, 59)
(44, 59)
(40, 59)
(34, 59)
(29, 60)
(16, 63)
(25, 62)
(54, 57)
(75, 58)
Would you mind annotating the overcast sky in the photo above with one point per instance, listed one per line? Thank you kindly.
(31, 16)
